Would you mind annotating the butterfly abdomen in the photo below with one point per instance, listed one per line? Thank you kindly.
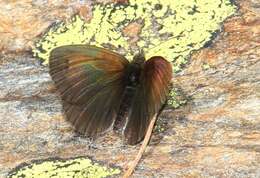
(124, 108)
(132, 81)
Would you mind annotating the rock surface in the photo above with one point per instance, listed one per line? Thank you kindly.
(217, 134)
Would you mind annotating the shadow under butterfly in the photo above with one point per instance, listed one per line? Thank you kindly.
(101, 89)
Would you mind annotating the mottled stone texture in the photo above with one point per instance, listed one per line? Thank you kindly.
(217, 134)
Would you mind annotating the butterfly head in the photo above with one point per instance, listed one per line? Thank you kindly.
(139, 58)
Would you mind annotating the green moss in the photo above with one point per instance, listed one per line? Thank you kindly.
(65, 168)
(170, 29)
(206, 66)
(159, 127)
(176, 98)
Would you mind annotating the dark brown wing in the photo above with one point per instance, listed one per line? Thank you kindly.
(89, 80)
(149, 98)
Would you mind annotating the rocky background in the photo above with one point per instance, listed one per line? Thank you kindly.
(216, 134)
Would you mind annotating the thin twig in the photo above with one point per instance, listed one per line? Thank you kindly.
(147, 137)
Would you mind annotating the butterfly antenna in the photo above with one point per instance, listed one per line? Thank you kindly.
(141, 52)
(164, 41)
(156, 45)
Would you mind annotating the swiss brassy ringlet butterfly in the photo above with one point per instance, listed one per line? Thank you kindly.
(101, 89)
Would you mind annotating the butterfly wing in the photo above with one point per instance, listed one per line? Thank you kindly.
(89, 80)
(151, 94)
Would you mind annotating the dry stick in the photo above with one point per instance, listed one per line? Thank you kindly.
(147, 137)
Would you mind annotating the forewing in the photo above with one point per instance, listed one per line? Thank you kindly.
(89, 80)
(151, 94)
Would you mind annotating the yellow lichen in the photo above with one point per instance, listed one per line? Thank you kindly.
(65, 168)
(172, 29)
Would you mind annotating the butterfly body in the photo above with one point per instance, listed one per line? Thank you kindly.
(131, 80)
(100, 89)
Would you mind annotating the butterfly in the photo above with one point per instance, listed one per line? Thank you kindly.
(101, 89)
